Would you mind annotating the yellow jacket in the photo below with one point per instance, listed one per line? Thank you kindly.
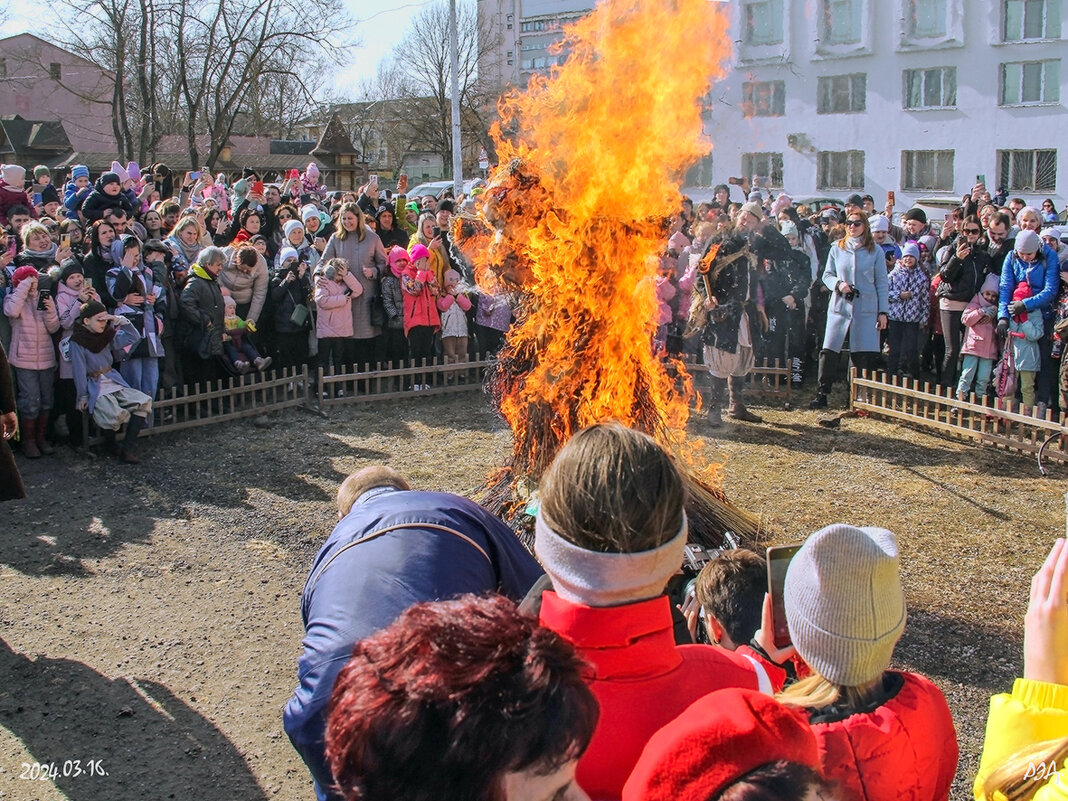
(1035, 712)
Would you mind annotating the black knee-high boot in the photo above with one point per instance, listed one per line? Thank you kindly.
(133, 428)
(715, 400)
(824, 378)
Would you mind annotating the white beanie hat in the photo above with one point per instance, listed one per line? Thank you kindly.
(13, 175)
(879, 223)
(845, 608)
(291, 226)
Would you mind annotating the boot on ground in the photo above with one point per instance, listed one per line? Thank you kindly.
(28, 426)
(43, 445)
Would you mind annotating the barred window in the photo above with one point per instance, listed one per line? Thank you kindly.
(1028, 170)
(842, 169)
(927, 170)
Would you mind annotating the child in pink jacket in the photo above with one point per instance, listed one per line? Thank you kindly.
(421, 320)
(32, 356)
(980, 348)
(334, 290)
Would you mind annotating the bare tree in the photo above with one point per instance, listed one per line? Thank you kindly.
(197, 67)
(419, 75)
(228, 54)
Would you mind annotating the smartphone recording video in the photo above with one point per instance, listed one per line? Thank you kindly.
(779, 557)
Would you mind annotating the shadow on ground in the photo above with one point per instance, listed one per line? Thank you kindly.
(150, 743)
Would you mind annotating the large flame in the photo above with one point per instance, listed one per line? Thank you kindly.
(591, 157)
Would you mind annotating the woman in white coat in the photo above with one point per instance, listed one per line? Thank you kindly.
(856, 275)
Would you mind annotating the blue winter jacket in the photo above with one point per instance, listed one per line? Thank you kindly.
(359, 584)
(1043, 274)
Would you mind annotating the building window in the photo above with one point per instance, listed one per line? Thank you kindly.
(766, 168)
(1027, 82)
(930, 88)
(763, 23)
(700, 174)
(842, 169)
(926, 19)
(3, 67)
(1030, 19)
(764, 98)
(55, 71)
(926, 170)
(1028, 170)
(840, 23)
(839, 94)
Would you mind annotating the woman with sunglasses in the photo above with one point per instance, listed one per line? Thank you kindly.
(855, 274)
(1049, 211)
(962, 278)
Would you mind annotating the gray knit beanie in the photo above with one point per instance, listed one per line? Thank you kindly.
(753, 208)
(844, 605)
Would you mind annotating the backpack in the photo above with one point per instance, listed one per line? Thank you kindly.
(1005, 373)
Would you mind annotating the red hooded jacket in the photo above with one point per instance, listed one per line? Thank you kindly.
(641, 679)
(903, 750)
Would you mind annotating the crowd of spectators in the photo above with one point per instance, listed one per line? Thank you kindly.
(221, 279)
(944, 301)
(210, 279)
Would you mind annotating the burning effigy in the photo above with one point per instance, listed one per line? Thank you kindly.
(591, 157)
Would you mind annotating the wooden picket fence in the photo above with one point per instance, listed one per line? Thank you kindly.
(220, 401)
(937, 409)
(297, 387)
(384, 382)
(766, 380)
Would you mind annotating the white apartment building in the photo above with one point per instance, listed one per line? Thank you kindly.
(828, 97)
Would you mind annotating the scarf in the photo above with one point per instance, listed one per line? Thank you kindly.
(49, 254)
(606, 579)
(90, 340)
(190, 252)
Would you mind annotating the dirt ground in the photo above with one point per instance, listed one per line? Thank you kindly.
(149, 617)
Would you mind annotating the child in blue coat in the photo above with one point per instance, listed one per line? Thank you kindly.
(1024, 332)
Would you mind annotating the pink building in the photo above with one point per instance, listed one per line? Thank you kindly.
(39, 81)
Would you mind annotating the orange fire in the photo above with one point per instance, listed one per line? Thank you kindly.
(591, 158)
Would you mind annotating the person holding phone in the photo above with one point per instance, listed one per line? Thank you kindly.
(1027, 730)
(883, 734)
(32, 356)
(361, 248)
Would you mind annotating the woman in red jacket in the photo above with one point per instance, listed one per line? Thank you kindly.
(883, 734)
(610, 533)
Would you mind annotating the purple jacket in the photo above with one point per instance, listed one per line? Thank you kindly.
(918, 307)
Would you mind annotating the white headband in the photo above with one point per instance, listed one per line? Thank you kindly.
(593, 578)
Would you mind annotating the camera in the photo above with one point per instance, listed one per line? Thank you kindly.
(852, 294)
(330, 272)
(682, 586)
